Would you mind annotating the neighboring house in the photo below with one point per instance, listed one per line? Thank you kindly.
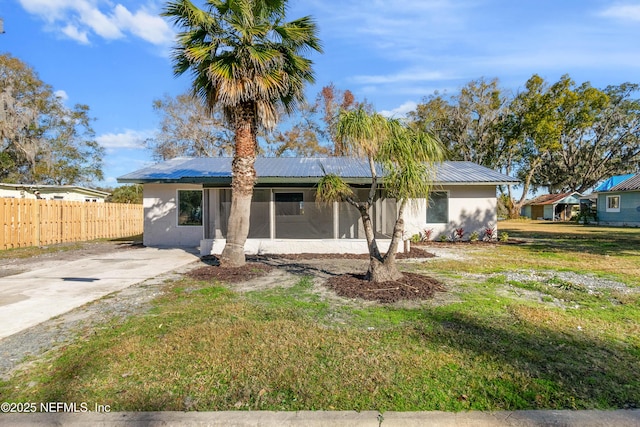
(70, 193)
(187, 202)
(619, 201)
(552, 207)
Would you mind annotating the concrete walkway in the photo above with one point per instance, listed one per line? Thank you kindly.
(628, 418)
(30, 298)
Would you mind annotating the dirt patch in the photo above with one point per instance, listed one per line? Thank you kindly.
(411, 286)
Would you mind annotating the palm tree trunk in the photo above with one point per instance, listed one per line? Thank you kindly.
(386, 269)
(242, 182)
(367, 224)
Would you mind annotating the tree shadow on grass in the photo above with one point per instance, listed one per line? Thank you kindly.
(569, 371)
(597, 241)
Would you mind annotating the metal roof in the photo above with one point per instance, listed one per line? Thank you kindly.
(630, 184)
(217, 170)
(552, 199)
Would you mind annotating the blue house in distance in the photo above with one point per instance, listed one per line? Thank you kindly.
(619, 201)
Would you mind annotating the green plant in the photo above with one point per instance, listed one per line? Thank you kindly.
(415, 238)
(585, 216)
(473, 237)
(504, 237)
(443, 238)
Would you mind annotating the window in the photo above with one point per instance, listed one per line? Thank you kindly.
(288, 204)
(613, 203)
(438, 208)
(189, 207)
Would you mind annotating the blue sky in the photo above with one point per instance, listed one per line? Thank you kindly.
(114, 55)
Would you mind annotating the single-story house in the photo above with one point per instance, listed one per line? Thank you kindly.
(187, 203)
(72, 193)
(619, 204)
(552, 207)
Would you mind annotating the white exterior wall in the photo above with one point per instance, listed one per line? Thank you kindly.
(471, 207)
(161, 217)
(474, 206)
(295, 246)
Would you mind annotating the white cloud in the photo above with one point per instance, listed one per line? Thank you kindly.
(403, 77)
(628, 12)
(81, 19)
(129, 139)
(74, 33)
(101, 24)
(145, 25)
(62, 95)
(400, 111)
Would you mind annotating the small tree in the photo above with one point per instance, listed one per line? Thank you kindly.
(406, 156)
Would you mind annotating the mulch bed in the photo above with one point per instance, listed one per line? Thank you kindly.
(230, 274)
(411, 286)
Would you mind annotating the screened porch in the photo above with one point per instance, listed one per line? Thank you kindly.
(293, 213)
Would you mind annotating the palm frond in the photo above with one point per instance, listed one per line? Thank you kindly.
(331, 188)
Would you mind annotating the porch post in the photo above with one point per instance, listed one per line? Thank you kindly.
(215, 204)
(272, 215)
(206, 229)
(336, 220)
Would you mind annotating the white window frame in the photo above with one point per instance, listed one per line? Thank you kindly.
(614, 209)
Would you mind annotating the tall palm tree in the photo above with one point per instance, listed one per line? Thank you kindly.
(244, 56)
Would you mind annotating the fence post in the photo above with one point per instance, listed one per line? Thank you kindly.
(37, 224)
(83, 222)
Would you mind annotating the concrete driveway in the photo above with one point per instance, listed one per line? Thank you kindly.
(30, 298)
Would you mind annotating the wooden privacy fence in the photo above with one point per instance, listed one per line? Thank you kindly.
(28, 222)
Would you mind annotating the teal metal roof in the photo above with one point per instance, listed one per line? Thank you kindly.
(284, 170)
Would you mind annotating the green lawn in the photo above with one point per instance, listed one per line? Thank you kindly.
(492, 342)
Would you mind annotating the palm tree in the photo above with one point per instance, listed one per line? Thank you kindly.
(245, 57)
(406, 156)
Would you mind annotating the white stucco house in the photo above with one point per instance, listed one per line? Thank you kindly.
(187, 202)
(70, 193)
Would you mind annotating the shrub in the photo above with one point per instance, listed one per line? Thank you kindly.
(458, 234)
(504, 237)
(473, 237)
(443, 238)
(489, 233)
(586, 216)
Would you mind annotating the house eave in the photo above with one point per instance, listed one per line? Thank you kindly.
(265, 181)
